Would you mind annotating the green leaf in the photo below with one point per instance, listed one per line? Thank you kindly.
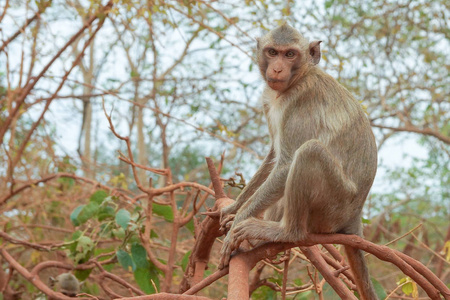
(76, 235)
(98, 196)
(185, 260)
(328, 3)
(73, 239)
(153, 234)
(82, 275)
(264, 293)
(119, 233)
(105, 213)
(379, 290)
(125, 260)
(81, 250)
(143, 279)
(365, 221)
(87, 212)
(408, 288)
(402, 280)
(123, 218)
(66, 182)
(139, 256)
(84, 245)
(134, 74)
(190, 226)
(74, 215)
(164, 211)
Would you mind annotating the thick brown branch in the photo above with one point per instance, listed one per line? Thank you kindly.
(215, 179)
(432, 285)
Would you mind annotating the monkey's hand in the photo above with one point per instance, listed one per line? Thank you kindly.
(227, 216)
(226, 223)
(248, 229)
(230, 243)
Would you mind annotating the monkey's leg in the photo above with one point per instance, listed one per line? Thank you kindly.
(318, 193)
(318, 184)
(257, 229)
(273, 213)
(315, 179)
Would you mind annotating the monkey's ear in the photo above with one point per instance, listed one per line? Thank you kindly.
(314, 51)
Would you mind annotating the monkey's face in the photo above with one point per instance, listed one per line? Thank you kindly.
(284, 56)
(280, 64)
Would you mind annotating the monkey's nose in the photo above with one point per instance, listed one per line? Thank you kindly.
(277, 70)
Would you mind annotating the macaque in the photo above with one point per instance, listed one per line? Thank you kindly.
(66, 284)
(322, 160)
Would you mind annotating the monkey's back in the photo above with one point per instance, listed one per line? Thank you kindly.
(319, 108)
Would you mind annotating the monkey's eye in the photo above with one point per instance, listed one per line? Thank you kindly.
(272, 52)
(290, 54)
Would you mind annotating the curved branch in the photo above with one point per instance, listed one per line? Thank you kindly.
(314, 256)
(12, 240)
(413, 129)
(165, 296)
(56, 176)
(432, 285)
(34, 278)
(409, 266)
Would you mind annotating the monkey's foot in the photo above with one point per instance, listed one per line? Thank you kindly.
(247, 229)
(252, 228)
(225, 252)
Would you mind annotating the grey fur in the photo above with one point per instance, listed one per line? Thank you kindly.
(321, 164)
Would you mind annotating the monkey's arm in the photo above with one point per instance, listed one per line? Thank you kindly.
(267, 194)
(253, 185)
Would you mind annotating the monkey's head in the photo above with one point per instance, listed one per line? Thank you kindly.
(284, 55)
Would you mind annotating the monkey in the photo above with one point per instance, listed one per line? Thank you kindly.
(66, 283)
(322, 159)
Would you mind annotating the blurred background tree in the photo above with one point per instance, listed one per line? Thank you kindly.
(180, 80)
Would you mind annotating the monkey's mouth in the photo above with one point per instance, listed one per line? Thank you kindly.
(273, 80)
(277, 84)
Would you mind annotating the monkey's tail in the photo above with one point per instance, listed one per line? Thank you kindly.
(358, 266)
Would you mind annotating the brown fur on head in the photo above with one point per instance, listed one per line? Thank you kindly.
(284, 56)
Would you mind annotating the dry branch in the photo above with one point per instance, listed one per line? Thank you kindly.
(206, 237)
(432, 285)
(23, 27)
(34, 183)
(166, 296)
(34, 278)
(31, 84)
(314, 256)
(242, 262)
